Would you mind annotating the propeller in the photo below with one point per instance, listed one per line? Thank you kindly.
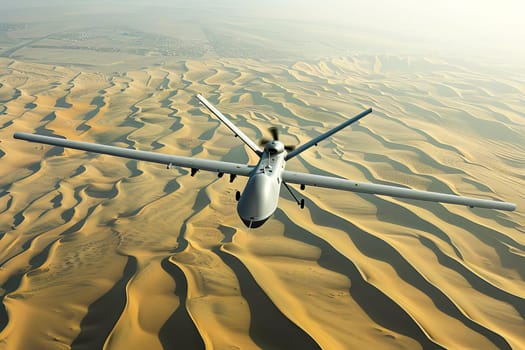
(275, 135)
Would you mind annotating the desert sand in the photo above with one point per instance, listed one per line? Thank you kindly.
(101, 252)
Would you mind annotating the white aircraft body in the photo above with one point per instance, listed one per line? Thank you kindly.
(260, 197)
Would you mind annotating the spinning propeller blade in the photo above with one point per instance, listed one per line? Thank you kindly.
(275, 135)
(264, 141)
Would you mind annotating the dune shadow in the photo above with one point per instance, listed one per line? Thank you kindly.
(179, 331)
(378, 249)
(376, 304)
(104, 313)
(269, 327)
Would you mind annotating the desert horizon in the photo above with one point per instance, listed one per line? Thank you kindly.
(103, 252)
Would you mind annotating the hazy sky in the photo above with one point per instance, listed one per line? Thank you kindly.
(478, 26)
(492, 25)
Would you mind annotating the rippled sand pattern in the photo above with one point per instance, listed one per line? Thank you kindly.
(100, 252)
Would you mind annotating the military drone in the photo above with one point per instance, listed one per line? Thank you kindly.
(260, 196)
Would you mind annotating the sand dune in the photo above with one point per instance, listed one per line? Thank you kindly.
(98, 252)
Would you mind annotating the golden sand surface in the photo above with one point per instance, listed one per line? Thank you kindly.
(101, 252)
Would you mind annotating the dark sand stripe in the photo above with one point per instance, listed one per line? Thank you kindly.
(14, 281)
(180, 328)
(377, 305)
(477, 282)
(179, 331)
(104, 313)
(492, 238)
(380, 250)
(8, 205)
(269, 327)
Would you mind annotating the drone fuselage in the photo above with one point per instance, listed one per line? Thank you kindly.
(261, 194)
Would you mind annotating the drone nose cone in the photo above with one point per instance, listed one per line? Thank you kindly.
(274, 147)
(259, 200)
(253, 224)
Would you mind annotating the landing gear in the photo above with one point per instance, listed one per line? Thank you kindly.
(299, 202)
(237, 196)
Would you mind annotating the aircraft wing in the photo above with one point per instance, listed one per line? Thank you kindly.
(363, 187)
(229, 124)
(327, 134)
(185, 162)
